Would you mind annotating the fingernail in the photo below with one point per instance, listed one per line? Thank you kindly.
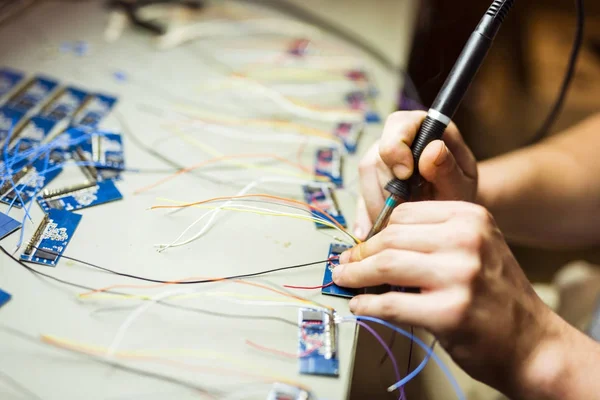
(401, 171)
(337, 272)
(345, 257)
(353, 304)
(442, 156)
(358, 232)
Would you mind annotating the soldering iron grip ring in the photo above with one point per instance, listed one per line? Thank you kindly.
(431, 129)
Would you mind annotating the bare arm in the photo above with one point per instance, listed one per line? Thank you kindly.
(548, 194)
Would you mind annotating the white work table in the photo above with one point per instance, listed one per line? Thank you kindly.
(121, 235)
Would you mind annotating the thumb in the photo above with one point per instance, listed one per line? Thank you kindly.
(438, 166)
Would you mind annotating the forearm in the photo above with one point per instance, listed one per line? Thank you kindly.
(564, 367)
(548, 194)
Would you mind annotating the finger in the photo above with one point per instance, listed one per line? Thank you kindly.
(403, 308)
(438, 166)
(420, 238)
(362, 221)
(462, 153)
(370, 187)
(427, 212)
(398, 134)
(392, 267)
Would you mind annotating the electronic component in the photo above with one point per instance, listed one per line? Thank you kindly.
(283, 391)
(323, 197)
(86, 164)
(32, 134)
(65, 104)
(80, 196)
(51, 237)
(8, 225)
(107, 150)
(28, 182)
(93, 111)
(349, 134)
(10, 121)
(4, 297)
(335, 249)
(9, 81)
(299, 47)
(329, 164)
(317, 348)
(32, 95)
(358, 100)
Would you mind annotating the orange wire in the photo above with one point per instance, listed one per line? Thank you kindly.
(259, 285)
(159, 360)
(270, 350)
(215, 160)
(268, 196)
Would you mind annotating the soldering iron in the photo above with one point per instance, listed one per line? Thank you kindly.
(445, 104)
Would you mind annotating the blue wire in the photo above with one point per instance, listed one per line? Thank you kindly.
(430, 353)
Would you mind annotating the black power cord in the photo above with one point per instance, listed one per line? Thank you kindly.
(564, 88)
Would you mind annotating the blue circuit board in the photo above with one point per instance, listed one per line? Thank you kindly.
(32, 95)
(65, 104)
(31, 179)
(9, 80)
(55, 233)
(4, 297)
(329, 163)
(8, 225)
(94, 110)
(335, 249)
(95, 194)
(317, 343)
(349, 134)
(9, 119)
(323, 197)
(32, 134)
(360, 101)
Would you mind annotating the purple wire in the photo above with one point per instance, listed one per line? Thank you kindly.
(387, 350)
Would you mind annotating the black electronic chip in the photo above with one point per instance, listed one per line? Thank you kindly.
(46, 254)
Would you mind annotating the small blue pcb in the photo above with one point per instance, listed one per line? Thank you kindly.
(28, 182)
(51, 237)
(65, 104)
(329, 163)
(94, 110)
(4, 297)
(323, 197)
(349, 134)
(7, 225)
(79, 196)
(9, 79)
(361, 101)
(34, 132)
(317, 343)
(32, 95)
(9, 119)
(335, 249)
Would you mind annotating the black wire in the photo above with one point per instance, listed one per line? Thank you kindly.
(241, 276)
(410, 350)
(577, 41)
(105, 361)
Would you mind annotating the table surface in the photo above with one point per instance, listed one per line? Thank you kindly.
(121, 235)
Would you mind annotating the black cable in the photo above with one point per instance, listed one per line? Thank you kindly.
(231, 277)
(410, 350)
(105, 361)
(575, 50)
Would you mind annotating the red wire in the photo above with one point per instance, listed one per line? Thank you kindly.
(308, 287)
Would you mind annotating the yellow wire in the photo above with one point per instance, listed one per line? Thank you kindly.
(212, 151)
(193, 295)
(196, 353)
(273, 214)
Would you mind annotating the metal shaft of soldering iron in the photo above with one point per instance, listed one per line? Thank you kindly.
(446, 103)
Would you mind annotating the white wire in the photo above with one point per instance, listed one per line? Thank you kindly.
(293, 108)
(213, 213)
(224, 28)
(139, 311)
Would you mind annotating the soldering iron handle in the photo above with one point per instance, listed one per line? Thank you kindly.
(430, 130)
